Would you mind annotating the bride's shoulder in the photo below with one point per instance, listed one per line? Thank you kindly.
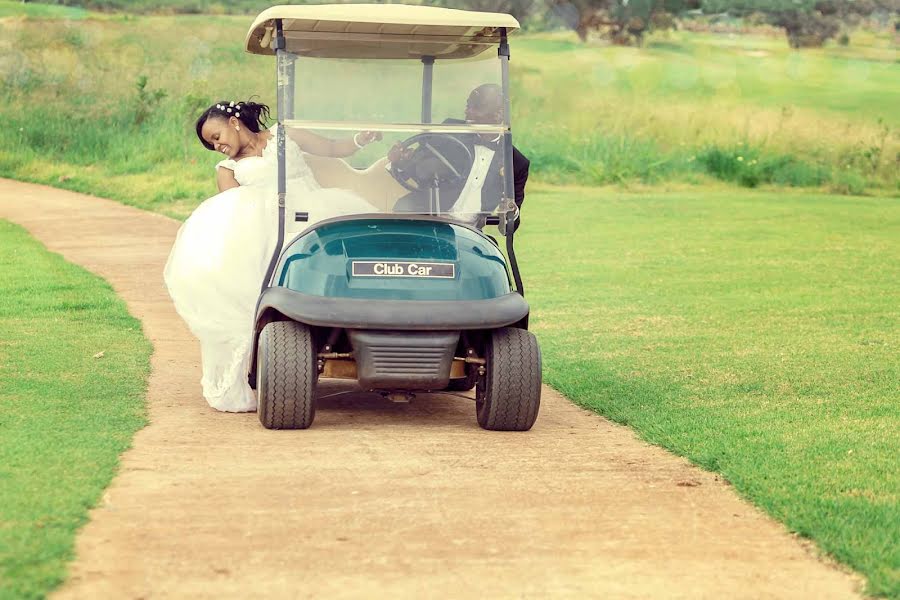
(271, 134)
(228, 163)
(270, 149)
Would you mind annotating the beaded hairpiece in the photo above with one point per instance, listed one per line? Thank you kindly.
(231, 108)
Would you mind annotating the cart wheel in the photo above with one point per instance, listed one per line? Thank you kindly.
(464, 384)
(286, 376)
(508, 397)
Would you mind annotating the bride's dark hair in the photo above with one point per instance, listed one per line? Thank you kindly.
(252, 114)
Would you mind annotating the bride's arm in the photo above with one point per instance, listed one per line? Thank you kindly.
(322, 146)
(225, 179)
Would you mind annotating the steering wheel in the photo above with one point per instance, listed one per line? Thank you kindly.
(432, 160)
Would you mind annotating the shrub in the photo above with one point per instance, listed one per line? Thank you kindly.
(147, 101)
(729, 164)
(594, 158)
(848, 182)
(790, 171)
(745, 165)
(74, 37)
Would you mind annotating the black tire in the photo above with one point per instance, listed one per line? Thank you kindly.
(466, 383)
(508, 397)
(286, 376)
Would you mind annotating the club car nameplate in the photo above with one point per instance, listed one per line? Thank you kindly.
(394, 268)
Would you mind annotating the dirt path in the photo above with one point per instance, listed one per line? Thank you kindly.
(382, 500)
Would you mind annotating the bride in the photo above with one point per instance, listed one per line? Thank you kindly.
(217, 264)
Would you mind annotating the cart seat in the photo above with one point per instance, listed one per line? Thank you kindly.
(374, 184)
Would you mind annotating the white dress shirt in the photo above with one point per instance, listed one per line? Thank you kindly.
(469, 200)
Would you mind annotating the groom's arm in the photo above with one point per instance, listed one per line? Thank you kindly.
(520, 175)
(520, 178)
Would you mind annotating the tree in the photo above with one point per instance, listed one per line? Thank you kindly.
(621, 21)
(520, 9)
(807, 23)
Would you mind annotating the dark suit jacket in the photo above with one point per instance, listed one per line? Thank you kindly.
(490, 191)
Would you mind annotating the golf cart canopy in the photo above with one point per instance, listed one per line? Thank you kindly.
(379, 31)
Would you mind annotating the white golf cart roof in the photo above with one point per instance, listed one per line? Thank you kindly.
(378, 31)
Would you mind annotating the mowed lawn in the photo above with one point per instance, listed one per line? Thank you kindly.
(66, 410)
(755, 333)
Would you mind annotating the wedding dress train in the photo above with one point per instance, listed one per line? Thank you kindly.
(219, 259)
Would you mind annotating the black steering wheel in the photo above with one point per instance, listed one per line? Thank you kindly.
(428, 160)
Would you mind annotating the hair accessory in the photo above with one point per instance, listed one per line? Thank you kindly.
(220, 107)
(228, 110)
(232, 103)
(237, 114)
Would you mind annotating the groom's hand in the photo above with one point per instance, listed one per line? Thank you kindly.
(397, 153)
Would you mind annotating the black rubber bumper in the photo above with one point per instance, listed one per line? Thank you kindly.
(411, 315)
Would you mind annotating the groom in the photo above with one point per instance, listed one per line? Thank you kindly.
(483, 183)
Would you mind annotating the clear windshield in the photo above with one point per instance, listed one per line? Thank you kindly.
(436, 149)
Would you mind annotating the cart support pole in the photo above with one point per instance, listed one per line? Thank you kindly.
(427, 76)
(288, 71)
(284, 77)
(434, 203)
(508, 183)
(509, 208)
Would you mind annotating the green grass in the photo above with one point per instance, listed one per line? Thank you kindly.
(11, 8)
(65, 416)
(589, 115)
(597, 115)
(755, 333)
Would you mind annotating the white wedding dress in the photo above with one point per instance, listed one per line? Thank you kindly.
(220, 256)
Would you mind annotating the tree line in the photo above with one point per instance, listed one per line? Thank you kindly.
(806, 23)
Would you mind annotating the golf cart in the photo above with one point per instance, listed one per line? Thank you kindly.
(411, 296)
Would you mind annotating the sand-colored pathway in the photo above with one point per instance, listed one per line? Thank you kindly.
(389, 501)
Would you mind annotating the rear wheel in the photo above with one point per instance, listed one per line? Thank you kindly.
(286, 376)
(508, 397)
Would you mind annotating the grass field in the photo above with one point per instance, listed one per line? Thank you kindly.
(65, 415)
(755, 333)
(689, 107)
(10, 8)
(692, 104)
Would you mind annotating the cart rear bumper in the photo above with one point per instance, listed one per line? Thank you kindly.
(406, 315)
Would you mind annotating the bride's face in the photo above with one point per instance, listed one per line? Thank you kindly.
(222, 135)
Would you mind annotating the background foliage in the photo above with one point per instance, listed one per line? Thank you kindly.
(107, 103)
(806, 23)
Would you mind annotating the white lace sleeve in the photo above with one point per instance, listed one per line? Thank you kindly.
(228, 163)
